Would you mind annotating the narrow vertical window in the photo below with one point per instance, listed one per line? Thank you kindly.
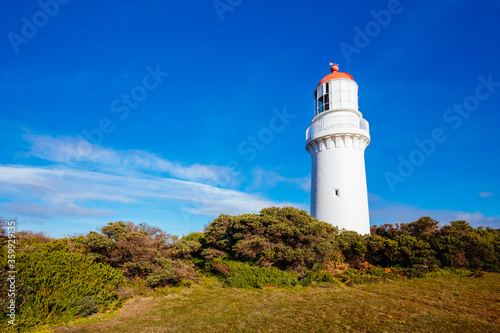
(315, 102)
(337, 192)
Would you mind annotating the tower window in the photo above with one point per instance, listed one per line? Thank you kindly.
(336, 192)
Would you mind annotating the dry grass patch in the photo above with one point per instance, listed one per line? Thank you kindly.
(464, 304)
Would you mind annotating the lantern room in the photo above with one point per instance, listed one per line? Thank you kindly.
(336, 91)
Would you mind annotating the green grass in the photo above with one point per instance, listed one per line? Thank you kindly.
(246, 275)
(446, 303)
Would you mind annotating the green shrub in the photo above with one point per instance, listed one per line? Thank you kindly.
(246, 275)
(353, 247)
(63, 285)
(397, 246)
(460, 245)
(145, 252)
(286, 238)
(355, 276)
(319, 276)
(87, 306)
(162, 275)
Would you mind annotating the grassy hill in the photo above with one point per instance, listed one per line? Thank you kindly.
(440, 304)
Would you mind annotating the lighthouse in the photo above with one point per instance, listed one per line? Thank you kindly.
(336, 140)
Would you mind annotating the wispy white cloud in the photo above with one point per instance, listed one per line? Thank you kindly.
(477, 219)
(76, 151)
(66, 192)
(485, 194)
(87, 180)
(88, 172)
(54, 210)
(265, 179)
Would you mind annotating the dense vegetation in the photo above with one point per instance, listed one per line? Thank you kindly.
(55, 283)
(290, 239)
(61, 279)
(286, 238)
(141, 252)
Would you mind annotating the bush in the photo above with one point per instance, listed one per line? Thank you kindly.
(353, 247)
(87, 306)
(286, 238)
(319, 275)
(246, 275)
(460, 245)
(61, 285)
(423, 246)
(144, 252)
(355, 276)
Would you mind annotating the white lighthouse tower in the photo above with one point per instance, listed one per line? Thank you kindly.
(336, 140)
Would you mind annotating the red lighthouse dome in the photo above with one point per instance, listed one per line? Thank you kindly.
(335, 74)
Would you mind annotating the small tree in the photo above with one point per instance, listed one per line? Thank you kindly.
(287, 238)
(141, 251)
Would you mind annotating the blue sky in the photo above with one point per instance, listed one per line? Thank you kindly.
(174, 112)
